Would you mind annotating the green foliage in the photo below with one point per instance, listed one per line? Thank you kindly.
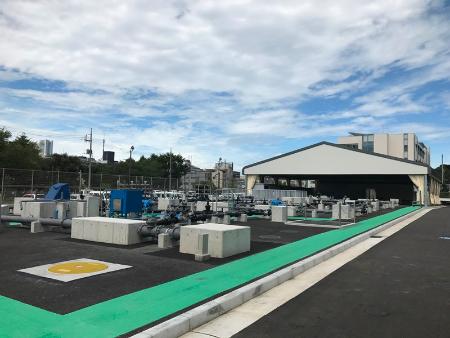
(62, 162)
(156, 165)
(22, 153)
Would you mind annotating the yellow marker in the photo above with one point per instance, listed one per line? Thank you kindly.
(74, 268)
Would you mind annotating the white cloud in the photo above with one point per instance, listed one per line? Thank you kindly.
(268, 57)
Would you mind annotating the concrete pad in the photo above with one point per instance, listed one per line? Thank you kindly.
(18, 205)
(164, 241)
(107, 230)
(37, 227)
(223, 240)
(279, 214)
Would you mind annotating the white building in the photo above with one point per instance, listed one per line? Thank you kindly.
(46, 148)
(340, 170)
(405, 146)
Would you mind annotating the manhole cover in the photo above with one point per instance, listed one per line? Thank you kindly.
(269, 237)
(290, 231)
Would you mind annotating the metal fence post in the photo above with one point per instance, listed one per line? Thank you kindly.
(32, 181)
(57, 175)
(81, 178)
(3, 185)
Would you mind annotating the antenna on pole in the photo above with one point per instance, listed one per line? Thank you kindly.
(170, 170)
(88, 138)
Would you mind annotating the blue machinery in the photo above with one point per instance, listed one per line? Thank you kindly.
(58, 191)
(125, 202)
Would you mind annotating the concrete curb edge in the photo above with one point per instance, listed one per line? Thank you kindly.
(204, 313)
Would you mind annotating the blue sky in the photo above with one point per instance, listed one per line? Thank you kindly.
(241, 80)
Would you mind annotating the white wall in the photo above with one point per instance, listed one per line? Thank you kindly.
(331, 160)
(351, 140)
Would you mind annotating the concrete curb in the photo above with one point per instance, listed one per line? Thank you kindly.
(204, 313)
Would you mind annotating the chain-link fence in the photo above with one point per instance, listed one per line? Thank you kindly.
(18, 182)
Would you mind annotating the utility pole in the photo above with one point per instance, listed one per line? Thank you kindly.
(89, 151)
(442, 171)
(170, 170)
(129, 167)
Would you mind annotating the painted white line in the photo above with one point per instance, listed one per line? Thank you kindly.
(244, 315)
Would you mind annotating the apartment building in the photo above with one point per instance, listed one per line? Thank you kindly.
(405, 146)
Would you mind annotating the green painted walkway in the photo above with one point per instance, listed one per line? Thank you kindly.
(126, 313)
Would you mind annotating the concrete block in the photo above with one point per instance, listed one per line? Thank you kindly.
(202, 248)
(106, 230)
(81, 209)
(279, 214)
(214, 219)
(291, 210)
(226, 219)
(262, 207)
(4, 209)
(165, 203)
(38, 209)
(201, 257)
(313, 213)
(62, 210)
(77, 229)
(90, 230)
(320, 207)
(202, 244)
(243, 218)
(93, 206)
(375, 205)
(347, 211)
(164, 241)
(18, 205)
(126, 232)
(37, 227)
(73, 208)
(223, 240)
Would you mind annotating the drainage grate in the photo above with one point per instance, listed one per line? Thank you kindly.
(376, 236)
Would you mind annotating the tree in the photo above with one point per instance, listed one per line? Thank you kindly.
(62, 162)
(20, 153)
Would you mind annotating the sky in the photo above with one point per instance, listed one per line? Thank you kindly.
(241, 80)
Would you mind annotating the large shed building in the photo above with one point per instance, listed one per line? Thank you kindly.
(340, 171)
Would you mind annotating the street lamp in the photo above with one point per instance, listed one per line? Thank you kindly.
(129, 166)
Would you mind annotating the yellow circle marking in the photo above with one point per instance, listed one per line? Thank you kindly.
(74, 268)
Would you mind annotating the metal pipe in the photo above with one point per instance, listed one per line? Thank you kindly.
(154, 231)
(65, 223)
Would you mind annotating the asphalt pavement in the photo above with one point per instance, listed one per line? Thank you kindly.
(399, 288)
